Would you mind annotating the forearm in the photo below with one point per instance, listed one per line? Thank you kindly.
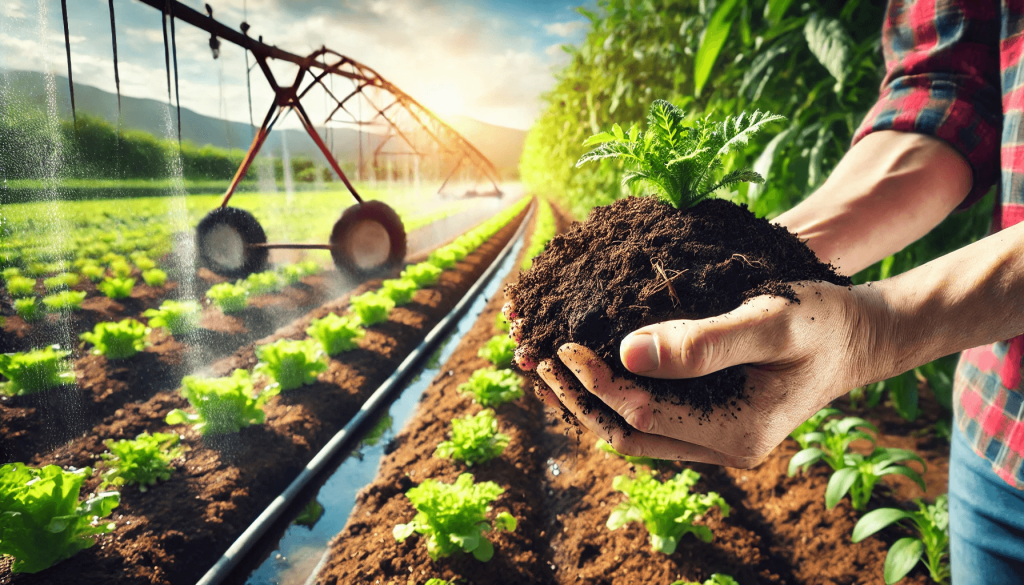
(890, 189)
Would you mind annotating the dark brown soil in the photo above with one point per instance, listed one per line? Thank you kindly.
(559, 489)
(639, 261)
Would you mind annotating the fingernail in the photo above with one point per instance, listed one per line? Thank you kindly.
(639, 353)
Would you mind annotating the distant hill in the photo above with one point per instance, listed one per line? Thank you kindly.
(502, 145)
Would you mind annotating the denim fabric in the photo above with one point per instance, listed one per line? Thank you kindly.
(986, 520)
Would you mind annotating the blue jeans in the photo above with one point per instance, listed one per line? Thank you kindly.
(986, 520)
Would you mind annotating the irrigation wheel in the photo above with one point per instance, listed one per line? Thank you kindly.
(368, 239)
(223, 240)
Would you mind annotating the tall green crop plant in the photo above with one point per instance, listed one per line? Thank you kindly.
(930, 545)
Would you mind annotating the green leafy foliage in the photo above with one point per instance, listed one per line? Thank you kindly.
(27, 309)
(20, 286)
(10, 272)
(121, 269)
(371, 307)
(35, 371)
(178, 317)
(399, 290)
(142, 461)
(668, 509)
(117, 341)
(262, 283)
(499, 350)
(43, 521)
(223, 405)
(853, 473)
(93, 272)
(310, 514)
(444, 257)
(543, 231)
(716, 579)
(154, 277)
(290, 364)
(229, 298)
(423, 274)
(65, 301)
(491, 387)
(453, 517)
(501, 323)
(474, 439)
(648, 462)
(116, 287)
(60, 281)
(930, 545)
(336, 334)
(680, 161)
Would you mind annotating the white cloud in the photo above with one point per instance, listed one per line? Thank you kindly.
(12, 9)
(564, 29)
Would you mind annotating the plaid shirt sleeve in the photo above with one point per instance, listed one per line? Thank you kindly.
(942, 79)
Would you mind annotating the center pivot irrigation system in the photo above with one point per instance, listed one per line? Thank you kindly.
(369, 236)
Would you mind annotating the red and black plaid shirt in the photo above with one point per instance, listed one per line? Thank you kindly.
(948, 63)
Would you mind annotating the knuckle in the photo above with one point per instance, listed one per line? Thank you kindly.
(638, 416)
(698, 350)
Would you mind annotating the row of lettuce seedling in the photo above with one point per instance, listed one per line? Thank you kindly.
(44, 520)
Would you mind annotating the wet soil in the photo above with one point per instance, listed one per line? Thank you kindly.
(558, 486)
(175, 531)
(639, 261)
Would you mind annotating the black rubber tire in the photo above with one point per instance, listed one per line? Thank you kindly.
(342, 244)
(248, 229)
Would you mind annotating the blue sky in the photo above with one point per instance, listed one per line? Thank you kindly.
(487, 59)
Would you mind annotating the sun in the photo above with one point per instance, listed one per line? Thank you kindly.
(443, 98)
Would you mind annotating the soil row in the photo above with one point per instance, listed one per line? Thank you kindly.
(558, 486)
(175, 531)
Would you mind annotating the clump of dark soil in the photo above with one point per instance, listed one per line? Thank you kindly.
(640, 261)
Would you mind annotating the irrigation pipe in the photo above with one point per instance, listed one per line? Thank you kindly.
(222, 568)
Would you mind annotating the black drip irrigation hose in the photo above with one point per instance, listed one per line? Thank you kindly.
(67, 49)
(117, 76)
(347, 435)
(174, 57)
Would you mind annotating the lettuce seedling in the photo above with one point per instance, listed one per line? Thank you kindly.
(35, 371)
(371, 307)
(491, 387)
(93, 272)
(423, 274)
(143, 461)
(117, 341)
(292, 274)
(336, 334)
(64, 301)
(931, 523)
(178, 317)
(716, 579)
(499, 350)
(453, 517)
(262, 283)
(229, 298)
(399, 290)
(120, 268)
(43, 522)
(60, 281)
(631, 459)
(143, 262)
(223, 405)
(27, 309)
(678, 160)
(116, 287)
(154, 277)
(667, 509)
(21, 286)
(10, 272)
(309, 267)
(443, 258)
(475, 439)
(290, 364)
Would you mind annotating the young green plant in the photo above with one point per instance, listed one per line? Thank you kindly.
(371, 308)
(336, 334)
(117, 341)
(223, 405)
(116, 287)
(423, 274)
(499, 350)
(474, 439)
(20, 286)
(35, 371)
(64, 302)
(154, 277)
(229, 298)
(399, 290)
(931, 523)
(290, 364)
(178, 317)
(490, 387)
(27, 309)
(142, 461)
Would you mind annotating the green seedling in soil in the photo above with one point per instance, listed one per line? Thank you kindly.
(262, 283)
(117, 341)
(154, 277)
(20, 286)
(10, 272)
(143, 262)
(931, 523)
(35, 371)
(499, 350)
(27, 309)
(229, 298)
(142, 461)
(40, 269)
(43, 522)
(668, 509)
(716, 579)
(309, 268)
(116, 287)
(65, 301)
(60, 281)
(290, 364)
(453, 517)
(853, 473)
(501, 323)
(399, 290)
(93, 272)
(292, 274)
(491, 387)
(371, 308)
(336, 334)
(811, 425)
(423, 274)
(443, 258)
(120, 269)
(310, 514)
(679, 160)
(223, 405)
(177, 317)
(648, 462)
(474, 439)
(438, 581)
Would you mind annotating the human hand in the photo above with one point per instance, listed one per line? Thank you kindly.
(798, 357)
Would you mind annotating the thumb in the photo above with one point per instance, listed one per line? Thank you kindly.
(755, 332)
